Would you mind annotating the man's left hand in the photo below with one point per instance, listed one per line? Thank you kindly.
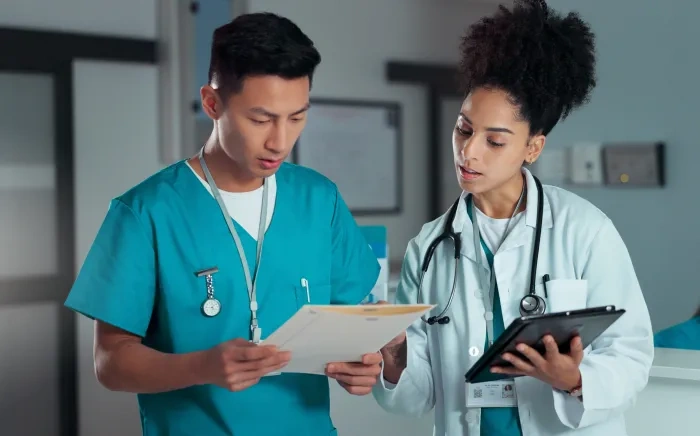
(554, 368)
(357, 378)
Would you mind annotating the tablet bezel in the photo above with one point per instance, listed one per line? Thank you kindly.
(504, 343)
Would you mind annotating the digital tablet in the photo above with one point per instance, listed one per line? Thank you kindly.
(587, 323)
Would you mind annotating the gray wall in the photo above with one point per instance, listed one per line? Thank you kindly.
(648, 91)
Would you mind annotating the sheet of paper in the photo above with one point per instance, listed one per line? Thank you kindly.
(318, 335)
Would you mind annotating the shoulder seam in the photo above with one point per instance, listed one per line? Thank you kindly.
(138, 220)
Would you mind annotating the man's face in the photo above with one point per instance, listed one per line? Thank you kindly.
(261, 123)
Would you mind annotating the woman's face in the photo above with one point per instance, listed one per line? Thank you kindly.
(490, 142)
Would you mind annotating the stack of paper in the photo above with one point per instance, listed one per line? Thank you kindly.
(318, 335)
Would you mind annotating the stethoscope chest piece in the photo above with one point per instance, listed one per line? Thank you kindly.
(532, 305)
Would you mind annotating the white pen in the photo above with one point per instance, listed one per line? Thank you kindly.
(305, 284)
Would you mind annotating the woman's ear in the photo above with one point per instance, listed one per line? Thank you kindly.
(535, 147)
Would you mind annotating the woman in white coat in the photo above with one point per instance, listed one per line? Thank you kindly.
(523, 69)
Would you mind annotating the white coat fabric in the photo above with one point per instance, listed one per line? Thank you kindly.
(589, 266)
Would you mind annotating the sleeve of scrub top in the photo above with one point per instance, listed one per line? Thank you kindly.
(116, 283)
(354, 267)
(414, 393)
(617, 367)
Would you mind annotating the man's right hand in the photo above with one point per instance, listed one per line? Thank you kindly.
(239, 364)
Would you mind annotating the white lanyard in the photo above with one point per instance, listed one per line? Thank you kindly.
(251, 283)
(489, 282)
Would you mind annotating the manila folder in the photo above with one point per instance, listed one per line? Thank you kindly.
(320, 334)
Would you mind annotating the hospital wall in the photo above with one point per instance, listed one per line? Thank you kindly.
(648, 91)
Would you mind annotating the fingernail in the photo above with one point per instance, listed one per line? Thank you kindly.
(521, 347)
(330, 368)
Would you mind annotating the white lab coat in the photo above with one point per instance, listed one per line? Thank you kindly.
(589, 265)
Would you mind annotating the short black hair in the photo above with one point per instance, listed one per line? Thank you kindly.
(544, 61)
(260, 44)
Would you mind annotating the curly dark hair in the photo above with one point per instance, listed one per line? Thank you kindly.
(544, 61)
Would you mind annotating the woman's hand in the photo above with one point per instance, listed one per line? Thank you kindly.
(556, 369)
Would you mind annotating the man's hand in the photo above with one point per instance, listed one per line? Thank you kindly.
(357, 378)
(558, 370)
(239, 364)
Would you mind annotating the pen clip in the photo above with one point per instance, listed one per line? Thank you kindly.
(305, 285)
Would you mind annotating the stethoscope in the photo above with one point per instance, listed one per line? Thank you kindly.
(530, 304)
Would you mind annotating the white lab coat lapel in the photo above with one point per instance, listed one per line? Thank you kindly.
(462, 224)
(524, 232)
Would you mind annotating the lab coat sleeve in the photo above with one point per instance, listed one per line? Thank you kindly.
(617, 366)
(116, 283)
(354, 267)
(414, 394)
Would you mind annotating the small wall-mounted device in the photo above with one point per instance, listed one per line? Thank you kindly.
(638, 164)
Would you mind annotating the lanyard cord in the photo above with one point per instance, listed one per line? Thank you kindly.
(251, 283)
(489, 296)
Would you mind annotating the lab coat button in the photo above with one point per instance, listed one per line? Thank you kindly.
(471, 417)
(478, 294)
(473, 351)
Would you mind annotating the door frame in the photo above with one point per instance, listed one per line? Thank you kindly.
(53, 53)
(440, 81)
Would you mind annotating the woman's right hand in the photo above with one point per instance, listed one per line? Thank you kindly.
(395, 355)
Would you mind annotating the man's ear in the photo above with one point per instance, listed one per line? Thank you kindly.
(211, 102)
(535, 147)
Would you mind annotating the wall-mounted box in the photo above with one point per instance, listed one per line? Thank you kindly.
(639, 165)
(586, 164)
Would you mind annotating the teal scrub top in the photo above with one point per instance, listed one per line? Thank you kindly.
(139, 275)
(685, 336)
(501, 421)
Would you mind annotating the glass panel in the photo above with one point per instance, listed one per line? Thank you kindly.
(27, 176)
(210, 15)
(449, 186)
(26, 119)
(29, 392)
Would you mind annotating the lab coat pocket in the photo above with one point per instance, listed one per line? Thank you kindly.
(566, 294)
(308, 292)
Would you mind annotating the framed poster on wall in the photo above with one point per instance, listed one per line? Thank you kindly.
(357, 144)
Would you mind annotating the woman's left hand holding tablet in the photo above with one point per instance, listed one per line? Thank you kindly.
(559, 370)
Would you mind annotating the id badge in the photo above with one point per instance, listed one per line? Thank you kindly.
(499, 393)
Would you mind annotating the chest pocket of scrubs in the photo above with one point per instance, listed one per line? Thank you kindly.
(566, 294)
(309, 292)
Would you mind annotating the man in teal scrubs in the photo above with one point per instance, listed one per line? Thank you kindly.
(179, 282)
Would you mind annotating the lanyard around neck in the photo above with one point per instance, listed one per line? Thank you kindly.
(250, 282)
(490, 281)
